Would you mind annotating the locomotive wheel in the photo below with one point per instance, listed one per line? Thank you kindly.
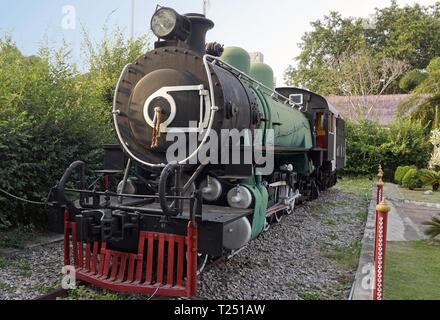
(267, 225)
(279, 216)
(291, 208)
(315, 191)
(202, 260)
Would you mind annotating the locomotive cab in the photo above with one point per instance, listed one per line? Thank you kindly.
(329, 148)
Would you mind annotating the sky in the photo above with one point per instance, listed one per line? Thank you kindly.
(272, 27)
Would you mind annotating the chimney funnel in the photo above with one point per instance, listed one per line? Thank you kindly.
(200, 25)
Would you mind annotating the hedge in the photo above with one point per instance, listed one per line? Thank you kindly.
(404, 142)
(411, 180)
(401, 172)
(52, 115)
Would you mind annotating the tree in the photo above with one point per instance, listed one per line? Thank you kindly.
(429, 110)
(361, 74)
(412, 79)
(51, 115)
(431, 84)
(107, 58)
(410, 34)
(321, 51)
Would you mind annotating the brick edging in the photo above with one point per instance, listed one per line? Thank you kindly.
(366, 259)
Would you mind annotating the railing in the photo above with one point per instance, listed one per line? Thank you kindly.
(164, 265)
(382, 210)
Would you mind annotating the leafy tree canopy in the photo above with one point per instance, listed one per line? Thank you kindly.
(428, 111)
(431, 84)
(410, 34)
(412, 79)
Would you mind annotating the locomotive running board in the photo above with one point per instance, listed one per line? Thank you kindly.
(137, 272)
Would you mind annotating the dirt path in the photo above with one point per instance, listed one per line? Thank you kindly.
(406, 219)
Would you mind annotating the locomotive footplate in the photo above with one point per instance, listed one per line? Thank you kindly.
(119, 223)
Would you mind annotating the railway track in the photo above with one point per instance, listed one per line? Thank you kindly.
(208, 267)
(53, 295)
(63, 293)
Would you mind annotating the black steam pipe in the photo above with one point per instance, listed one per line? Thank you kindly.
(200, 25)
(135, 196)
(170, 170)
(62, 184)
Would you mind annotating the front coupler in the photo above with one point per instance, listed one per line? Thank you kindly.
(95, 228)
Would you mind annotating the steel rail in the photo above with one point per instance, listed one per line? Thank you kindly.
(53, 295)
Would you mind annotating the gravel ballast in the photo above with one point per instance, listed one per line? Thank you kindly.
(311, 254)
(31, 273)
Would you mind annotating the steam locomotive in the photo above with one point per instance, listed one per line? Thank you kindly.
(167, 219)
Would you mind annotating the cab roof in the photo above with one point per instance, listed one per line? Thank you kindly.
(313, 101)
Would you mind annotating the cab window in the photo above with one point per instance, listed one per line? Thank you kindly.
(332, 123)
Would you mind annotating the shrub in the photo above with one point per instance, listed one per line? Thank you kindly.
(411, 180)
(363, 147)
(433, 230)
(430, 177)
(45, 124)
(434, 162)
(50, 116)
(401, 172)
(407, 143)
(369, 144)
(398, 175)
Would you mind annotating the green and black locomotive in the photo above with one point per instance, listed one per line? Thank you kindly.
(166, 219)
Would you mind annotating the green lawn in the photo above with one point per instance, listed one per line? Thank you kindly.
(412, 271)
(417, 195)
(359, 185)
(19, 237)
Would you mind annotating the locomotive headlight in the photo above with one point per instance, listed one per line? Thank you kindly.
(167, 24)
(163, 22)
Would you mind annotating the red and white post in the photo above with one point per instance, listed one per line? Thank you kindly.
(382, 210)
(379, 198)
(380, 184)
